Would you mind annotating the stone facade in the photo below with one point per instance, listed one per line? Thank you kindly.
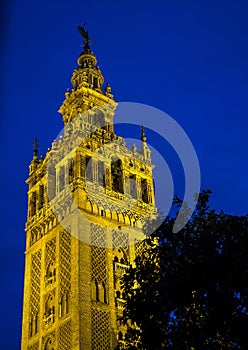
(86, 201)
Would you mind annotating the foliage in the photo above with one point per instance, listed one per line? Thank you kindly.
(189, 290)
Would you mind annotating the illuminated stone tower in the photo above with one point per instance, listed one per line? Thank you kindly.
(86, 201)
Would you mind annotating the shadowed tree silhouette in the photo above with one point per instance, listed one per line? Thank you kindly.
(189, 290)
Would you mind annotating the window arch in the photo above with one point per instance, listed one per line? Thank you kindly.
(49, 344)
(95, 290)
(116, 174)
(50, 273)
(103, 296)
(32, 203)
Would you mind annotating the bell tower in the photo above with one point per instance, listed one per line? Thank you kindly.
(87, 200)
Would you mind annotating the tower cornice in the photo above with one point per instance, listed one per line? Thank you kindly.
(82, 99)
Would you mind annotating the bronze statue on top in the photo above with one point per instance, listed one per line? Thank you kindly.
(85, 35)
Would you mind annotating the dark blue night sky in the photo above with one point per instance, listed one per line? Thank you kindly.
(187, 58)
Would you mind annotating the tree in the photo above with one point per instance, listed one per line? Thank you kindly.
(189, 290)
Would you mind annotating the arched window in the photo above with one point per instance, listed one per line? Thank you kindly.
(71, 171)
(49, 306)
(30, 328)
(49, 312)
(101, 173)
(104, 293)
(95, 83)
(51, 189)
(41, 197)
(120, 256)
(102, 212)
(60, 308)
(133, 186)
(50, 273)
(61, 178)
(88, 166)
(144, 192)
(32, 203)
(95, 291)
(49, 344)
(67, 303)
(33, 325)
(116, 174)
(99, 119)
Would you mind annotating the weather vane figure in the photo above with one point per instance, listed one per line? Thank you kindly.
(85, 35)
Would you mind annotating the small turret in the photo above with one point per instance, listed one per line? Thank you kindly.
(36, 149)
(35, 161)
(145, 151)
(108, 91)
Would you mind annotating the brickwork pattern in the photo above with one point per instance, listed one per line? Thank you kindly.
(98, 253)
(50, 262)
(84, 294)
(34, 346)
(50, 252)
(35, 282)
(139, 247)
(100, 330)
(65, 262)
(65, 336)
(120, 240)
(49, 341)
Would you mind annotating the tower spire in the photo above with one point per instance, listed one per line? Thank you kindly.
(36, 148)
(142, 133)
(87, 81)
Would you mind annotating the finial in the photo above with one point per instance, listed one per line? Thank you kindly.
(108, 91)
(142, 133)
(108, 88)
(85, 35)
(67, 93)
(134, 148)
(36, 148)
